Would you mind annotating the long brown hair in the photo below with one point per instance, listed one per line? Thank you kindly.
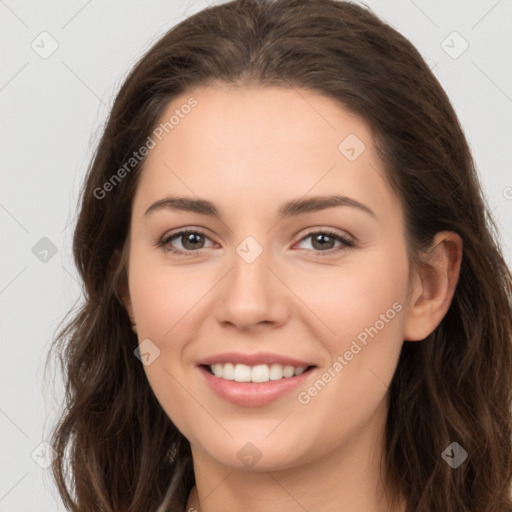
(118, 450)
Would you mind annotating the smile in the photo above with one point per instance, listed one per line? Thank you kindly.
(257, 373)
(249, 393)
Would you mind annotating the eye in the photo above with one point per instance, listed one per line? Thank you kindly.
(322, 242)
(191, 241)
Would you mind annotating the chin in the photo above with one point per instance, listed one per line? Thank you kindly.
(254, 454)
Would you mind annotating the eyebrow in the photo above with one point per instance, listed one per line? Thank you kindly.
(288, 209)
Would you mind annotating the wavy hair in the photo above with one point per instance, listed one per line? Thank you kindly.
(117, 449)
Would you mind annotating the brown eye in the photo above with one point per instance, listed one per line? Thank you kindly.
(191, 241)
(323, 242)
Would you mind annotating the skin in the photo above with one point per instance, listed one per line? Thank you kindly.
(248, 150)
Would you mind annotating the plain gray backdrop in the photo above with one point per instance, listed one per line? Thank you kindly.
(61, 66)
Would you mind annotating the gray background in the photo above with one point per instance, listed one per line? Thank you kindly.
(53, 110)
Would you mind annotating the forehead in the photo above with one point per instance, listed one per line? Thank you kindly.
(284, 122)
(258, 145)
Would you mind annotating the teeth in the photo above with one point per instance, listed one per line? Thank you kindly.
(276, 372)
(258, 373)
(228, 371)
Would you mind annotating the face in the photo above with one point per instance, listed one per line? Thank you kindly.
(323, 285)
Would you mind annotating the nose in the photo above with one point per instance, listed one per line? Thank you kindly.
(252, 294)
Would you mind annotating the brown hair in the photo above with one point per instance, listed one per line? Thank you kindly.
(117, 448)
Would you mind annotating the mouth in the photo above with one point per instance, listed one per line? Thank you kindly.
(259, 373)
(253, 386)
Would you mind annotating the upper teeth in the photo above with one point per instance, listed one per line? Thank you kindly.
(258, 373)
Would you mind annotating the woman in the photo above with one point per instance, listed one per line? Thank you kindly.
(295, 299)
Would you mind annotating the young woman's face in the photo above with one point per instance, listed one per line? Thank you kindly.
(267, 276)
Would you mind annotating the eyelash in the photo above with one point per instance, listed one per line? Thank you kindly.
(164, 243)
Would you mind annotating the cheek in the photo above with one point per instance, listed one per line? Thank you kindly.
(162, 296)
(362, 304)
(360, 299)
(367, 319)
(164, 301)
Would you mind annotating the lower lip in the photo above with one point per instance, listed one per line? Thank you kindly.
(253, 394)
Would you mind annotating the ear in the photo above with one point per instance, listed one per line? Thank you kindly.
(433, 286)
(122, 291)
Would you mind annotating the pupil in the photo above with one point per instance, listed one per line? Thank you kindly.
(190, 238)
(322, 238)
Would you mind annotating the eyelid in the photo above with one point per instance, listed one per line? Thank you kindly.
(335, 232)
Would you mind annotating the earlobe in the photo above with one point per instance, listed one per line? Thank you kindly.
(434, 285)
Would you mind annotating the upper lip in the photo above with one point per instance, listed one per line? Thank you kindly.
(253, 359)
